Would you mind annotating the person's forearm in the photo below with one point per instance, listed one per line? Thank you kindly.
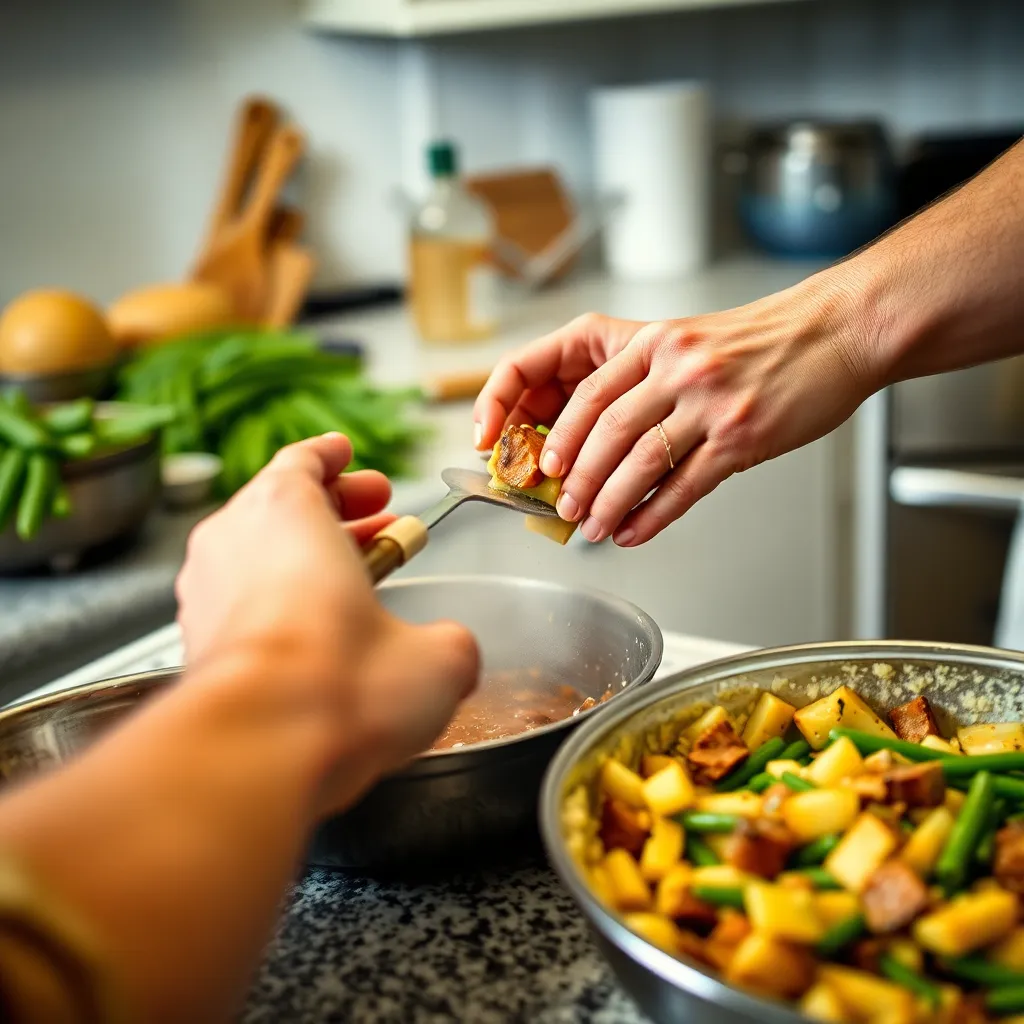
(175, 839)
(946, 289)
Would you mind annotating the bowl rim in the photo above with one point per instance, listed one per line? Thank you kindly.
(685, 975)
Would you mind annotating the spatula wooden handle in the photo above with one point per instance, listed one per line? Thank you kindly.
(283, 153)
(394, 546)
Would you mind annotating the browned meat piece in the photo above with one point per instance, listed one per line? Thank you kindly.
(867, 787)
(694, 914)
(914, 720)
(894, 896)
(867, 954)
(1008, 866)
(760, 847)
(970, 1010)
(916, 785)
(715, 753)
(774, 797)
(621, 828)
(518, 462)
(695, 948)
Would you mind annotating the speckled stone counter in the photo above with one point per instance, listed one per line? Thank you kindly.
(496, 947)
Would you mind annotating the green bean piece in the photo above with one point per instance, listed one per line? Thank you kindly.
(819, 878)
(34, 504)
(1008, 787)
(1009, 999)
(841, 935)
(699, 854)
(708, 822)
(866, 743)
(982, 971)
(796, 751)
(952, 866)
(753, 765)
(69, 417)
(797, 784)
(60, 506)
(759, 783)
(12, 473)
(719, 895)
(77, 446)
(814, 853)
(21, 431)
(986, 848)
(907, 978)
(970, 764)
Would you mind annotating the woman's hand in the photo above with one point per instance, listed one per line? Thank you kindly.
(729, 391)
(275, 574)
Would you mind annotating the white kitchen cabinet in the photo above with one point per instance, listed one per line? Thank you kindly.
(416, 18)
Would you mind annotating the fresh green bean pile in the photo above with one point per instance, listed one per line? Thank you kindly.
(244, 395)
(34, 443)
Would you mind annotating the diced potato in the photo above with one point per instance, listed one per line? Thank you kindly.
(835, 906)
(601, 885)
(954, 801)
(1010, 951)
(992, 737)
(968, 922)
(651, 764)
(744, 804)
(770, 719)
(710, 718)
(783, 913)
(939, 744)
(672, 890)
(552, 527)
(795, 880)
(926, 842)
(776, 769)
(669, 791)
(822, 1003)
(907, 953)
(721, 876)
(628, 888)
(771, 967)
(820, 812)
(721, 945)
(840, 761)
(619, 782)
(657, 930)
(663, 850)
(719, 844)
(866, 996)
(841, 708)
(861, 852)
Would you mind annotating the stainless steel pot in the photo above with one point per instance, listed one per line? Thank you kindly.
(963, 684)
(447, 805)
(818, 189)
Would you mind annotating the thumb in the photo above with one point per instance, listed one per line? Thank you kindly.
(454, 651)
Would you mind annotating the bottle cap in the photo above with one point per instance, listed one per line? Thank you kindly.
(442, 160)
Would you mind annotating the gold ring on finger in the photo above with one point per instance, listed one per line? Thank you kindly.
(668, 447)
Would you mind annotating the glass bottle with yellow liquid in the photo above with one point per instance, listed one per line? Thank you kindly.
(453, 281)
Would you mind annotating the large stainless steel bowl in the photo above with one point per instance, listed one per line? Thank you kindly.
(446, 805)
(963, 684)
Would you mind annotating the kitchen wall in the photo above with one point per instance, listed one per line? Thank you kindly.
(114, 113)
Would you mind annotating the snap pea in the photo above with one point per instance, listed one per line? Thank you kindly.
(719, 895)
(983, 972)
(796, 751)
(69, 417)
(906, 978)
(759, 783)
(77, 446)
(12, 472)
(819, 878)
(1005, 1000)
(37, 494)
(753, 765)
(951, 869)
(841, 935)
(21, 431)
(699, 854)
(708, 822)
(814, 853)
(797, 784)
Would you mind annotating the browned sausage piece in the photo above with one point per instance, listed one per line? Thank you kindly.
(715, 753)
(759, 847)
(894, 896)
(916, 785)
(621, 828)
(1008, 866)
(518, 462)
(695, 915)
(914, 720)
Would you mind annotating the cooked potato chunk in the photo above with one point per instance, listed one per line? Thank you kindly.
(839, 761)
(841, 708)
(820, 812)
(861, 852)
(745, 804)
(551, 527)
(771, 967)
(657, 930)
(822, 1003)
(782, 913)
(776, 769)
(712, 717)
(601, 885)
(669, 791)
(941, 745)
(866, 996)
(673, 890)
(992, 737)
(770, 718)
(651, 764)
(619, 782)
(663, 850)
(968, 922)
(628, 888)
(721, 876)
(1010, 951)
(925, 844)
(833, 907)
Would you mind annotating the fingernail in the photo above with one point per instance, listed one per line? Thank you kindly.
(625, 537)
(592, 530)
(551, 464)
(567, 507)
(478, 434)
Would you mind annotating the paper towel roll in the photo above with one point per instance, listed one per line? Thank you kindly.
(652, 145)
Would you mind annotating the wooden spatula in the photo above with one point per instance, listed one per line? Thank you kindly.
(239, 261)
(291, 273)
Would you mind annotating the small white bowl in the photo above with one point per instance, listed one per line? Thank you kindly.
(188, 478)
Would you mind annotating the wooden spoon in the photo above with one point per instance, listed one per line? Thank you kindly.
(291, 273)
(239, 260)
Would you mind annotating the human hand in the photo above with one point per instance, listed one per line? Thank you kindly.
(729, 390)
(276, 574)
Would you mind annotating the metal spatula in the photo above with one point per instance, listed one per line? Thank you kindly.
(407, 537)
